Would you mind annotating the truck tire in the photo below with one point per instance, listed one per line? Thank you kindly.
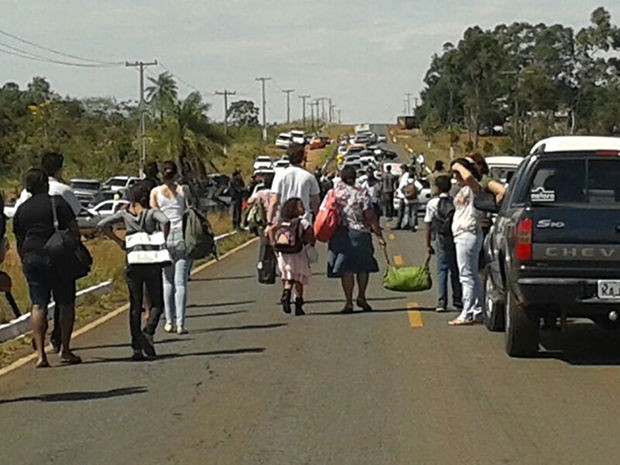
(522, 325)
(493, 305)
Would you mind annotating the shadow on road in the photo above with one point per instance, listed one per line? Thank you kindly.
(221, 304)
(374, 311)
(127, 344)
(241, 328)
(584, 344)
(163, 357)
(225, 278)
(341, 300)
(201, 315)
(77, 396)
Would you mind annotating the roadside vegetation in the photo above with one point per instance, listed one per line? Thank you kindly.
(527, 81)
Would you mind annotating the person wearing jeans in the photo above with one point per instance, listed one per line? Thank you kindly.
(467, 235)
(173, 200)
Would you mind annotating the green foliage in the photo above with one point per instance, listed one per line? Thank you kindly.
(243, 113)
(549, 79)
(488, 148)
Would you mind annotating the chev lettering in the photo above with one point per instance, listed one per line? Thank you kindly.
(574, 252)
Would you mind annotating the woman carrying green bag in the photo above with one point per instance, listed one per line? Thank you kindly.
(351, 253)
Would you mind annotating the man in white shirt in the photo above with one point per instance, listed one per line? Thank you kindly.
(51, 164)
(408, 190)
(294, 181)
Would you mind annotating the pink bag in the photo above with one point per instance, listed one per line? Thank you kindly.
(328, 219)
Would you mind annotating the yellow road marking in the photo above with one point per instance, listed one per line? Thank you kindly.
(392, 237)
(398, 260)
(415, 317)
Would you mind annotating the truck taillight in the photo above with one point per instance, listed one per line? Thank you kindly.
(523, 243)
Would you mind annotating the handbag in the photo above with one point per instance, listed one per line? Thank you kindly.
(407, 278)
(485, 201)
(147, 249)
(311, 253)
(327, 219)
(66, 251)
(266, 265)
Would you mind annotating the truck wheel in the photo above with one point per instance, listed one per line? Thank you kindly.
(494, 312)
(522, 326)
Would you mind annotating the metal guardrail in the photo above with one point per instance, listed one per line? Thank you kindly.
(21, 325)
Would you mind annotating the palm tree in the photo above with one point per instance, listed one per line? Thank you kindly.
(163, 93)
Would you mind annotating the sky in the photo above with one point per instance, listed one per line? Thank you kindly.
(363, 54)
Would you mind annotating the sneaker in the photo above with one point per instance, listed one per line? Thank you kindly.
(148, 345)
(168, 328)
(440, 309)
(137, 356)
(181, 330)
(285, 300)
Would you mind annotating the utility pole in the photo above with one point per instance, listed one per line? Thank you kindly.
(262, 80)
(329, 109)
(415, 100)
(339, 111)
(322, 100)
(303, 107)
(288, 104)
(332, 113)
(142, 108)
(316, 114)
(311, 115)
(226, 93)
(408, 94)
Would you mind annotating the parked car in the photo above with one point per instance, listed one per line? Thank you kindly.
(85, 189)
(281, 164)
(381, 138)
(109, 207)
(552, 251)
(116, 183)
(298, 137)
(283, 140)
(316, 143)
(263, 162)
(503, 168)
(87, 222)
(102, 196)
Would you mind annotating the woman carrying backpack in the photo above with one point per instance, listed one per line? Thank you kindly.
(139, 218)
(290, 237)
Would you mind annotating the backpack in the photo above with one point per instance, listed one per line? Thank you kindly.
(442, 220)
(287, 237)
(410, 191)
(198, 235)
(253, 217)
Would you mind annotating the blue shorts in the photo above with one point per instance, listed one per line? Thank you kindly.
(44, 281)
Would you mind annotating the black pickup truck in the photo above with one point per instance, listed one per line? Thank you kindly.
(554, 248)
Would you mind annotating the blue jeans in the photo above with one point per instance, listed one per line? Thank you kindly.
(468, 246)
(175, 279)
(446, 267)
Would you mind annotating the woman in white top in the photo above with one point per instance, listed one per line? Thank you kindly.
(172, 200)
(467, 235)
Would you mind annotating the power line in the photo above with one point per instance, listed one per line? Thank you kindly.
(180, 78)
(57, 52)
(35, 57)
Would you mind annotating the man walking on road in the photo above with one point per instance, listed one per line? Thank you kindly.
(51, 164)
(294, 181)
(389, 182)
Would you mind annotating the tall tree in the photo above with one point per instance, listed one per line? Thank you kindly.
(163, 93)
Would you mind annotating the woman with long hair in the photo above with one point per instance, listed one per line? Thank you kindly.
(172, 199)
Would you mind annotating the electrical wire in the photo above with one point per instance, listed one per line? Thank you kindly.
(179, 78)
(34, 57)
(57, 52)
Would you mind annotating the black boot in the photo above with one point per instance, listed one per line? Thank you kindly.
(299, 302)
(285, 300)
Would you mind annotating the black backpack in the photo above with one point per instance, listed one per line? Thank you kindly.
(288, 237)
(442, 220)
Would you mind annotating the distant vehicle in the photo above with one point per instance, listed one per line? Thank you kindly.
(362, 128)
(116, 183)
(385, 154)
(354, 163)
(109, 207)
(316, 143)
(381, 138)
(394, 167)
(298, 136)
(354, 149)
(502, 168)
(102, 196)
(85, 189)
(87, 222)
(262, 162)
(266, 174)
(368, 160)
(280, 165)
(283, 140)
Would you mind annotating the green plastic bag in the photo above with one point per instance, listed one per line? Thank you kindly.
(407, 278)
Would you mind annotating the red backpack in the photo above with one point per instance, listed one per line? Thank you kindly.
(328, 219)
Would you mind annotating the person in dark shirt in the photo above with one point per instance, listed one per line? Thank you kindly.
(151, 175)
(237, 191)
(33, 225)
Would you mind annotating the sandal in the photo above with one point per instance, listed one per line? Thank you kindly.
(42, 364)
(459, 322)
(70, 359)
(363, 304)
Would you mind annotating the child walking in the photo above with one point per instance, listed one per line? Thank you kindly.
(144, 265)
(290, 237)
(439, 240)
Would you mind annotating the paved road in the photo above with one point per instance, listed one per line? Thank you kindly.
(250, 385)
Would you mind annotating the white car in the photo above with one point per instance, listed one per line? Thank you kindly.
(117, 183)
(502, 168)
(108, 207)
(368, 160)
(283, 140)
(262, 162)
(280, 165)
(298, 136)
(381, 138)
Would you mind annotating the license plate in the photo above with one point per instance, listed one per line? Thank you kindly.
(609, 290)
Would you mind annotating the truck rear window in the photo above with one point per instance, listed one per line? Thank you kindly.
(583, 180)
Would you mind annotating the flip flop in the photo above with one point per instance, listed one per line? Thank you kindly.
(458, 322)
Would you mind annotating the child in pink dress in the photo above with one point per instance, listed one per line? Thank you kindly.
(291, 237)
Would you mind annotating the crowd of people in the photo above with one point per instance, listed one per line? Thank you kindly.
(158, 266)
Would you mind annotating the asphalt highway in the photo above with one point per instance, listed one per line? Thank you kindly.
(251, 385)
